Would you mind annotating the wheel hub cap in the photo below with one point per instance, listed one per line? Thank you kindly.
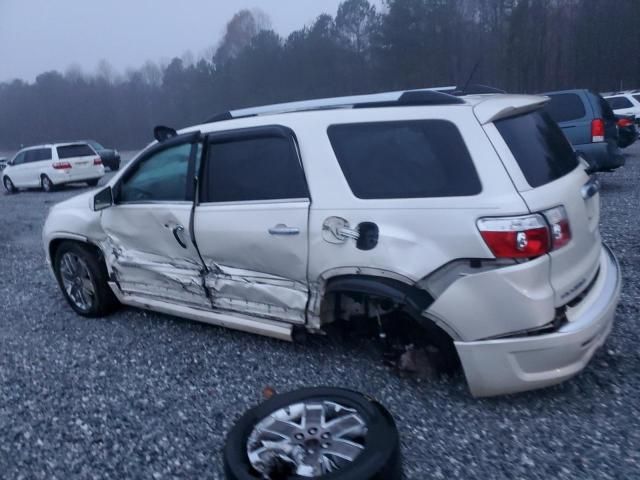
(77, 281)
(308, 439)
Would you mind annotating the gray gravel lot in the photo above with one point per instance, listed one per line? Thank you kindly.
(142, 395)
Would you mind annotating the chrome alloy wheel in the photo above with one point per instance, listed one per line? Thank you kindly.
(311, 439)
(77, 281)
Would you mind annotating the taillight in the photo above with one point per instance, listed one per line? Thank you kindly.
(61, 165)
(560, 230)
(97, 161)
(516, 237)
(597, 130)
(625, 122)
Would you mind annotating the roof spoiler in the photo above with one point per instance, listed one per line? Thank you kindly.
(497, 108)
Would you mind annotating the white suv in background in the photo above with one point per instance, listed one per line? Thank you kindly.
(391, 211)
(47, 166)
(625, 104)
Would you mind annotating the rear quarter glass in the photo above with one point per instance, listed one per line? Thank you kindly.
(539, 147)
(405, 159)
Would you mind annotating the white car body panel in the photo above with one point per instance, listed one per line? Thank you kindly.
(634, 109)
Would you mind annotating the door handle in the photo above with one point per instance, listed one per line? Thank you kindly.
(282, 229)
(177, 231)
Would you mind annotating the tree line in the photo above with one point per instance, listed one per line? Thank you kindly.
(517, 45)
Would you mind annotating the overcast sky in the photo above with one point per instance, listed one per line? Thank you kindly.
(41, 35)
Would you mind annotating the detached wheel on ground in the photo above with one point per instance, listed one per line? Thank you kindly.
(9, 186)
(83, 280)
(46, 183)
(323, 432)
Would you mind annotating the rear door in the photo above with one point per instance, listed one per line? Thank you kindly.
(38, 160)
(252, 221)
(570, 111)
(549, 177)
(81, 157)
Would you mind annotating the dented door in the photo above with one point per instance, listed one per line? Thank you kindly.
(251, 223)
(148, 245)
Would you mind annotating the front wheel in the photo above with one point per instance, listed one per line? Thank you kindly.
(327, 433)
(83, 280)
(9, 186)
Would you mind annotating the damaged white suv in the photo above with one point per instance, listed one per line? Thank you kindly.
(471, 216)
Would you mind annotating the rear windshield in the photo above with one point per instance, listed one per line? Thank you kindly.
(539, 146)
(618, 103)
(409, 159)
(71, 151)
(565, 107)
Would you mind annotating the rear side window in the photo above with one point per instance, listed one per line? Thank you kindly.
(542, 151)
(411, 159)
(262, 168)
(37, 155)
(637, 97)
(565, 107)
(71, 151)
(617, 103)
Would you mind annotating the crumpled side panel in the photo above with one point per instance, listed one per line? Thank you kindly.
(182, 281)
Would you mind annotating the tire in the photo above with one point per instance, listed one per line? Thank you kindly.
(93, 183)
(9, 186)
(46, 184)
(116, 166)
(103, 301)
(380, 458)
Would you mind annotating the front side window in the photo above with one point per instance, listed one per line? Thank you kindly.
(537, 143)
(408, 159)
(618, 103)
(261, 168)
(19, 158)
(162, 177)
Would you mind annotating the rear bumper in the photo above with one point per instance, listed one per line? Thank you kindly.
(67, 176)
(495, 367)
(603, 155)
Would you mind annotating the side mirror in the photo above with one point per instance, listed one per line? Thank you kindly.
(162, 133)
(103, 199)
(10, 162)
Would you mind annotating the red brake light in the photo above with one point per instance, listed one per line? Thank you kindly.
(625, 122)
(516, 237)
(61, 165)
(97, 161)
(597, 130)
(560, 230)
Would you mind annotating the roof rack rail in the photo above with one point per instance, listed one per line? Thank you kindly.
(422, 97)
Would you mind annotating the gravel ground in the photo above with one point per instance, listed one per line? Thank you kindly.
(150, 396)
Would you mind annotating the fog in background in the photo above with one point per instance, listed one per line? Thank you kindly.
(41, 35)
(180, 63)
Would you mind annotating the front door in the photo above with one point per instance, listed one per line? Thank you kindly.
(251, 223)
(149, 248)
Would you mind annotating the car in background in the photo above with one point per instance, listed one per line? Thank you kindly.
(627, 130)
(47, 166)
(626, 103)
(590, 125)
(110, 156)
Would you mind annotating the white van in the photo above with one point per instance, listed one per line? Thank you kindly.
(47, 166)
